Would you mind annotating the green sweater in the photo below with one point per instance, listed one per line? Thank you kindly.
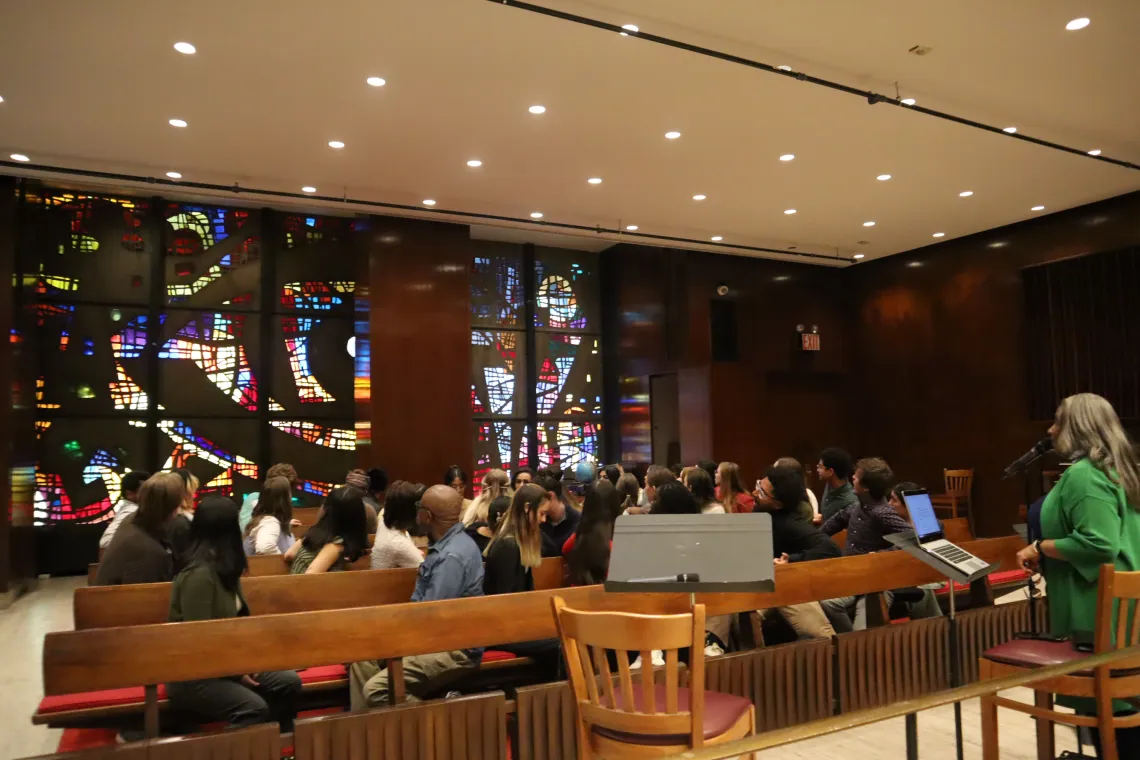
(1091, 522)
(198, 594)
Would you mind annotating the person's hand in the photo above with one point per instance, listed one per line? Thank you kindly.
(1029, 558)
(781, 560)
(248, 681)
(294, 523)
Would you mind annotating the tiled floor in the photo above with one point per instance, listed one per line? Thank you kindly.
(23, 625)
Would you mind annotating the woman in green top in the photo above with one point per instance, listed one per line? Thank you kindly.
(339, 537)
(1089, 518)
(209, 588)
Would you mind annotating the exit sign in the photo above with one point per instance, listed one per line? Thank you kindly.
(810, 341)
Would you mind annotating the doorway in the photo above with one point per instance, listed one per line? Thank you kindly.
(664, 416)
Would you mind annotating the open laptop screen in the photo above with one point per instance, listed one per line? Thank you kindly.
(922, 516)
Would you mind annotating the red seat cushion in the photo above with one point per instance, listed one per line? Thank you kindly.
(1032, 653)
(721, 713)
(497, 655)
(322, 673)
(1009, 576)
(86, 700)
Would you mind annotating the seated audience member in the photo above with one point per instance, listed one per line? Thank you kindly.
(126, 506)
(561, 518)
(730, 489)
(482, 532)
(140, 552)
(676, 469)
(896, 500)
(456, 477)
(628, 491)
(808, 505)
(394, 546)
(866, 523)
(709, 467)
(796, 539)
(178, 529)
(587, 552)
(358, 479)
(339, 537)
(655, 477)
(495, 484)
(452, 569)
(522, 476)
(269, 529)
(516, 548)
(377, 487)
(209, 588)
(280, 470)
(834, 469)
(613, 473)
(701, 485)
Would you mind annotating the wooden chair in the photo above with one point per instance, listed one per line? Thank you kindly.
(654, 720)
(959, 485)
(1104, 684)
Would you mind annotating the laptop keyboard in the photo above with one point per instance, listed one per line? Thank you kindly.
(952, 554)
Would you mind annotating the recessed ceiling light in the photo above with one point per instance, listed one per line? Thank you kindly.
(672, 135)
(628, 28)
(474, 163)
(908, 101)
(1037, 208)
(868, 224)
(857, 256)
(174, 175)
(789, 211)
(716, 238)
(698, 197)
(177, 123)
(631, 227)
(308, 189)
(537, 109)
(429, 202)
(784, 68)
(1077, 23)
(185, 48)
(1, 100)
(787, 157)
(595, 180)
(914, 264)
(19, 157)
(535, 214)
(883, 177)
(1094, 152)
(336, 144)
(1010, 130)
(939, 234)
(965, 193)
(998, 244)
(376, 81)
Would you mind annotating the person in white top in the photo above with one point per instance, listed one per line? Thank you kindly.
(699, 482)
(393, 546)
(269, 529)
(126, 506)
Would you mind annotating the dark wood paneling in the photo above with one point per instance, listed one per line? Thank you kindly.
(939, 350)
(421, 348)
(7, 268)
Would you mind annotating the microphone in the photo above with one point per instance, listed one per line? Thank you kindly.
(678, 578)
(1035, 453)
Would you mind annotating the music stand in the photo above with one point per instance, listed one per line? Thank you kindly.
(691, 554)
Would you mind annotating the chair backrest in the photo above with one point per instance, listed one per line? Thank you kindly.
(1118, 597)
(587, 637)
(958, 482)
(262, 742)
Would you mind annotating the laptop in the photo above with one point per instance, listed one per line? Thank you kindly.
(929, 533)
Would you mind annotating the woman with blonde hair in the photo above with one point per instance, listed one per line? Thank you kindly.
(1089, 519)
(516, 548)
(496, 483)
(730, 489)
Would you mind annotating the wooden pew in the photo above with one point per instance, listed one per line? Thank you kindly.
(76, 661)
(956, 531)
(149, 603)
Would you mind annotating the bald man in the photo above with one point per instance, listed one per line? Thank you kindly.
(452, 569)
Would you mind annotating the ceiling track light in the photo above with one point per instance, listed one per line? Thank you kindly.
(846, 89)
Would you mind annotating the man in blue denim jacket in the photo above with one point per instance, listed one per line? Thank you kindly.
(452, 569)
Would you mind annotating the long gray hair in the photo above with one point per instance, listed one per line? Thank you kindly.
(1087, 426)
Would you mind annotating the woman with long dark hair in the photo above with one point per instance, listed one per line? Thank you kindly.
(268, 529)
(701, 486)
(587, 552)
(209, 588)
(482, 532)
(339, 537)
(393, 546)
(178, 529)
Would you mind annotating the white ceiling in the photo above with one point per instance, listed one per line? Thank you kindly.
(92, 85)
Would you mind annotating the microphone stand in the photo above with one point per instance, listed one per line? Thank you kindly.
(1030, 585)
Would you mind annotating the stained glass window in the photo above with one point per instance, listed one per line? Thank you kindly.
(566, 290)
(569, 374)
(496, 285)
(323, 453)
(498, 373)
(213, 256)
(314, 365)
(222, 453)
(206, 362)
(316, 273)
(499, 444)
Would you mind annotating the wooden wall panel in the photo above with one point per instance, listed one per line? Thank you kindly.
(421, 348)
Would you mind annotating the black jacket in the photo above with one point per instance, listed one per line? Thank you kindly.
(799, 539)
(503, 571)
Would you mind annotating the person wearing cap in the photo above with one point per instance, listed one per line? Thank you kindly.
(452, 569)
(359, 479)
